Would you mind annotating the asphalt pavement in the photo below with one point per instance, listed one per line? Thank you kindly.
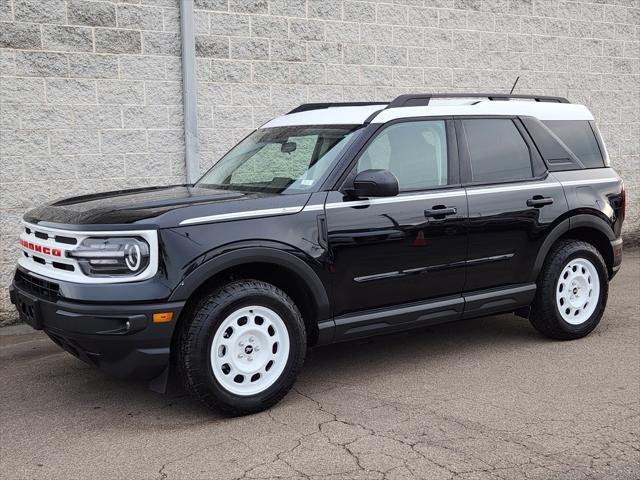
(480, 399)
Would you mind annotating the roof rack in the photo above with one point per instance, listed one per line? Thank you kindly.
(422, 99)
(319, 106)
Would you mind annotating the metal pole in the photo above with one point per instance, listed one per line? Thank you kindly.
(189, 86)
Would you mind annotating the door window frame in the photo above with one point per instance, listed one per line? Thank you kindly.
(538, 168)
(453, 163)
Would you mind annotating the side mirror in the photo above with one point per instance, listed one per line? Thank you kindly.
(375, 183)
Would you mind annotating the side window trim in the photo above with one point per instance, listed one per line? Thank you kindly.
(453, 163)
(466, 177)
(538, 167)
(599, 142)
(463, 153)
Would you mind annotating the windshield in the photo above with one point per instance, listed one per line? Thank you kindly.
(289, 159)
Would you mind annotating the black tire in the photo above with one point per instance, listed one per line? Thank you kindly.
(198, 333)
(545, 315)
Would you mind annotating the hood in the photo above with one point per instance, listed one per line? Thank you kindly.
(144, 205)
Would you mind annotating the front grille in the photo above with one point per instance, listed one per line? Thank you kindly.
(47, 239)
(47, 252)
(37, 286)
(67, 240)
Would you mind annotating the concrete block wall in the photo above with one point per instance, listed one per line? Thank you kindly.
(90, 100)
(258, 58)
(90, 90)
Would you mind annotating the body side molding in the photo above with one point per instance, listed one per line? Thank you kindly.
(498, 300)
(431, 268)
(375, 322)
(433, 312)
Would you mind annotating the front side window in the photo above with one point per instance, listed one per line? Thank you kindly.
(415, 152)
(280, 160)
(497, 151)
(578, 136)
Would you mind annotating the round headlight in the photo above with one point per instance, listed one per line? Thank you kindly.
(112, 256)
(133, 257)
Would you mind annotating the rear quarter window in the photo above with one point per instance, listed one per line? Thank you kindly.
(579, 137)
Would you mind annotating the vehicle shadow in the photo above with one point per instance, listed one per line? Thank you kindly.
(428, 344)
(126, 403)
(345, 363)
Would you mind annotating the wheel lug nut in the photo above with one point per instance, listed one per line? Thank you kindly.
(252, 339)
(240, 355)
(241, 344)
(250, 359)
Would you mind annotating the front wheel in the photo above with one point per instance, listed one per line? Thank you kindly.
(572, 291)
(243, 347)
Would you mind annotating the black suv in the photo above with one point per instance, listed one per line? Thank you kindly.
(330, 223)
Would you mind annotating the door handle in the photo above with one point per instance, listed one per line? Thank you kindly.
(539, 201)
(440, 211)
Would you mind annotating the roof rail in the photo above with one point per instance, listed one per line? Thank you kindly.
(319, 106)
(422, 99)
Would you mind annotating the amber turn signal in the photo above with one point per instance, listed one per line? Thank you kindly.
(162, 317)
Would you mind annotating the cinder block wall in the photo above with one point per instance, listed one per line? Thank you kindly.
(91, 101)
(90, 90)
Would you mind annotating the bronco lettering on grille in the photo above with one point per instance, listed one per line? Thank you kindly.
(54, 252)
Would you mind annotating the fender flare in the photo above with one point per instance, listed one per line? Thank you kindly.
(255, 254)
(568, 224)
(592, 221)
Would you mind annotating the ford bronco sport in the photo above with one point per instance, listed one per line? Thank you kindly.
(330, 223)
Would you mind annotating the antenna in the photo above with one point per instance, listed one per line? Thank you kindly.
(514, 85)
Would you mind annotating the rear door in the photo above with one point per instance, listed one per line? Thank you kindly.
(513, 201)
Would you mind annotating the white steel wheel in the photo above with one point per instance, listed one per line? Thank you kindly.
(250, 350)
(577, 291)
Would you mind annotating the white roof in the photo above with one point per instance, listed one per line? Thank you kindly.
(539, 110)
(326, 116)
(358, 114)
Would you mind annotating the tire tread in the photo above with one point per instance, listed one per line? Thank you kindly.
(196, 381)
(544, 314)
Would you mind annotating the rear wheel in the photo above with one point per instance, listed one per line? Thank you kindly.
(243, 348)
(572, 291)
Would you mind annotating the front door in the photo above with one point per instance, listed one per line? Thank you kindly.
(393, 251)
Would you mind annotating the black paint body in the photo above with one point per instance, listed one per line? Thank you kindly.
(366, 268)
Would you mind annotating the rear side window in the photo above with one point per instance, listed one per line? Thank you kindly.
(497, 151)
(578, 136)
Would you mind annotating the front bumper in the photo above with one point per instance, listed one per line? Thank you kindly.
(120, 339)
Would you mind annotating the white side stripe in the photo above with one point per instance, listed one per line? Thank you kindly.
(511, 188)
(399, 199)
(530, 186)
(386, 200)
(237, 215)
(313, 208)
(589, 182)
